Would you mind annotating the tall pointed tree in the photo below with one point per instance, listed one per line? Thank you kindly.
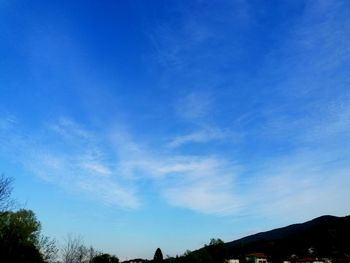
(158, 256)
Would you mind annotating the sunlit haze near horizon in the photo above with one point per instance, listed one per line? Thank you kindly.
(145, 124)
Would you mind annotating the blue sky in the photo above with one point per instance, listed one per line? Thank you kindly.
(145, 124)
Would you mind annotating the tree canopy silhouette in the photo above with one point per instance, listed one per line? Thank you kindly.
(105, 258)
(158, 256)
(19, 237)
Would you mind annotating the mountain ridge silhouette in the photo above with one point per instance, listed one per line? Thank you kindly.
(327, 236)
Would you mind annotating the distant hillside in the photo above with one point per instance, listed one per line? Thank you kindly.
(322, 237)
(329, 236)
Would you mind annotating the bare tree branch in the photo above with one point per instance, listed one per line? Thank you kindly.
(48, 249)
(74, 250)
(6, 201)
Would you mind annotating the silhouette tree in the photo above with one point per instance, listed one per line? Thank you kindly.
(19, 237)
(217, 250)
(158, 256)
(105, 258)
(214, 242)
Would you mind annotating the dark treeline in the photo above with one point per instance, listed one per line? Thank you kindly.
(214, 252)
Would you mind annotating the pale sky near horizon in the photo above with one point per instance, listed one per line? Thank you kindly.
(145, 124)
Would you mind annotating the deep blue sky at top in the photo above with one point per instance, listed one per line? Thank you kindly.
(141, 124)
(116, 39)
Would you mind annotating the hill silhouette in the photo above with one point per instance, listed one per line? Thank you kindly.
(325, 236)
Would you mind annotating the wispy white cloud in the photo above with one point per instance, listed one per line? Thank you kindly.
(201, 136)
(204, 197)
(297, 183)
(70, 129)
(111, 192)
(77, 164)
(96, 168)
(74, 163)
(208, 187)
(201, 183)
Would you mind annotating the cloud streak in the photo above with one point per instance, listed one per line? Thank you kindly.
(200, 183)
(76, 163)
(202, 136)
(73, 163)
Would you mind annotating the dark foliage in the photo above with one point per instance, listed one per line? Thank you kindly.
(158, 256)
(19, 233)
(105, 258)
(215, 252)
(138, 260)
